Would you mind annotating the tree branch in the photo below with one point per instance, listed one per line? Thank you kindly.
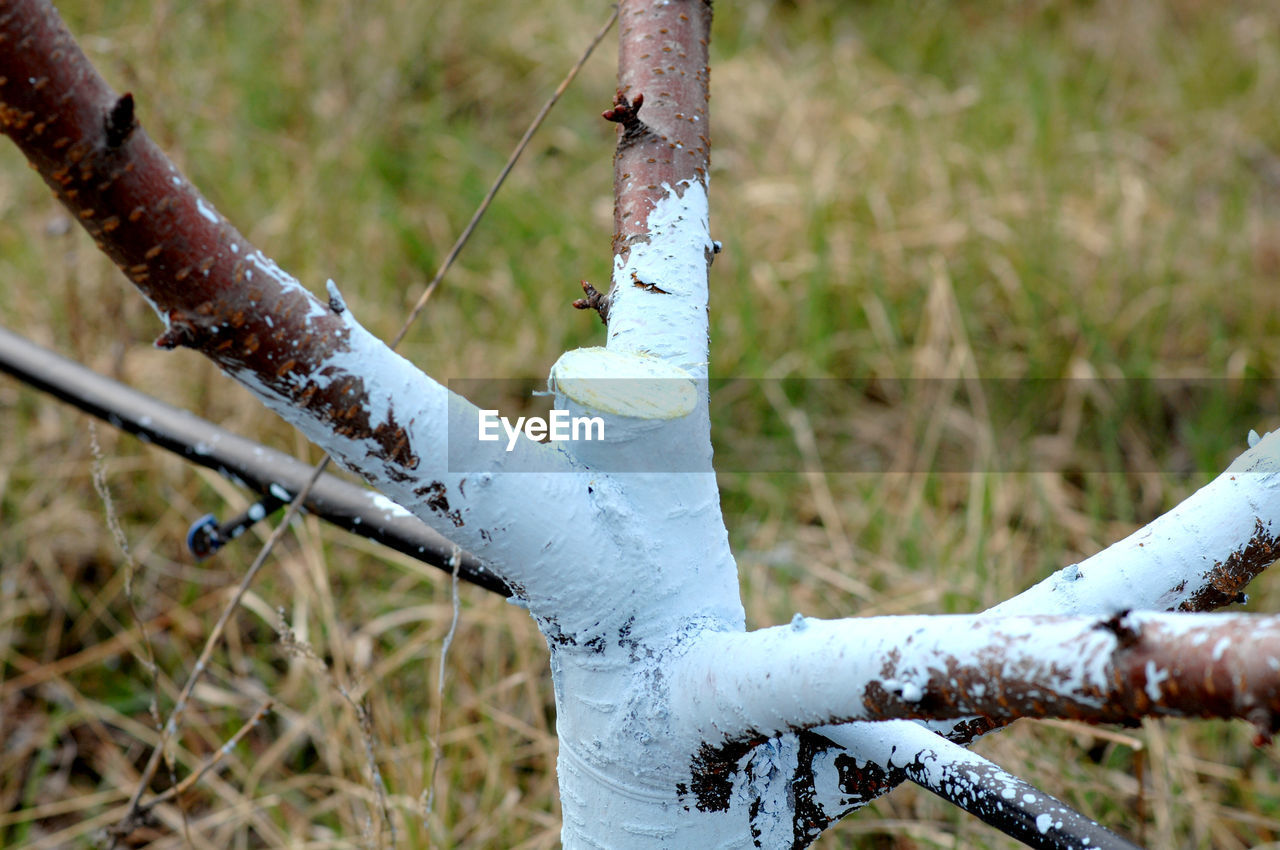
(662, 245)
(1197, 557)
(975, 784)
(260, 468)
(308, 360)
(1107, 670)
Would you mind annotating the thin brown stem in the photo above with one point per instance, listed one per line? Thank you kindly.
(177, 790)
(662, 65)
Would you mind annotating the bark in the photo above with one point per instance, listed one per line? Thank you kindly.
(662, 246)
(1109, 670)
(628, 571)
(307, 359)
(1197, 557)
(902, 750)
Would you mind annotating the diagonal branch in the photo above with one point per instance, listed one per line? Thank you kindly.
(1197, 557)
(308, 360)
(261, 468)
(982, 788)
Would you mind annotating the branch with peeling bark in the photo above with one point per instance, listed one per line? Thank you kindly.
(1105, 670)
(1197, 557)
(306, 358)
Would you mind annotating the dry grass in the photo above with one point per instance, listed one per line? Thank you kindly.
(1017, 191)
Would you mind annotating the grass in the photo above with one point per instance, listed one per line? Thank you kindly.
(931, 191)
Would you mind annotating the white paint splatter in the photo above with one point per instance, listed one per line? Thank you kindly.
(206, 210)
(1154, 677)
(389, 507)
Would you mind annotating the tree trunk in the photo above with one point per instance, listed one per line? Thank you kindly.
(677, 727)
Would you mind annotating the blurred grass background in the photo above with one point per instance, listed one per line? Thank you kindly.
(1041, 190)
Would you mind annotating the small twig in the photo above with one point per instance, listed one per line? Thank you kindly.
(375, 775)
(130, 568)
(290, 641)
(209, 764)
(595, 300)
(427, 806)
(179, 708)
(130, 565)
(502, 176)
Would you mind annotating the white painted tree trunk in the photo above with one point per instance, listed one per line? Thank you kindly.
(677, 727)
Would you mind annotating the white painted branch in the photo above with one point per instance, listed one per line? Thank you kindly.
(474, 494)
(658, 304)
(981, 787)
(735, 687)
(1198, 555)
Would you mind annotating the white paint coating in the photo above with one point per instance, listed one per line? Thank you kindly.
(1169, 561)
(388, 507)
(671, 324)
(613, 592)
(772, 680)
(639, 386)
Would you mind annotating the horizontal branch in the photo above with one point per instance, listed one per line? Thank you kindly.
(740, 687)
(1200, 556)
(1197, 557)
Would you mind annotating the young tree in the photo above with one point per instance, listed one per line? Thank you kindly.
(677, 726)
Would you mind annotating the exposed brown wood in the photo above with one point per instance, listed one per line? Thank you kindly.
(661, 107)
(218, 293)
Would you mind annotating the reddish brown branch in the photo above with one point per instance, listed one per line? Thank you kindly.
(217, 292)
(1224, 666)
(662, 64)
